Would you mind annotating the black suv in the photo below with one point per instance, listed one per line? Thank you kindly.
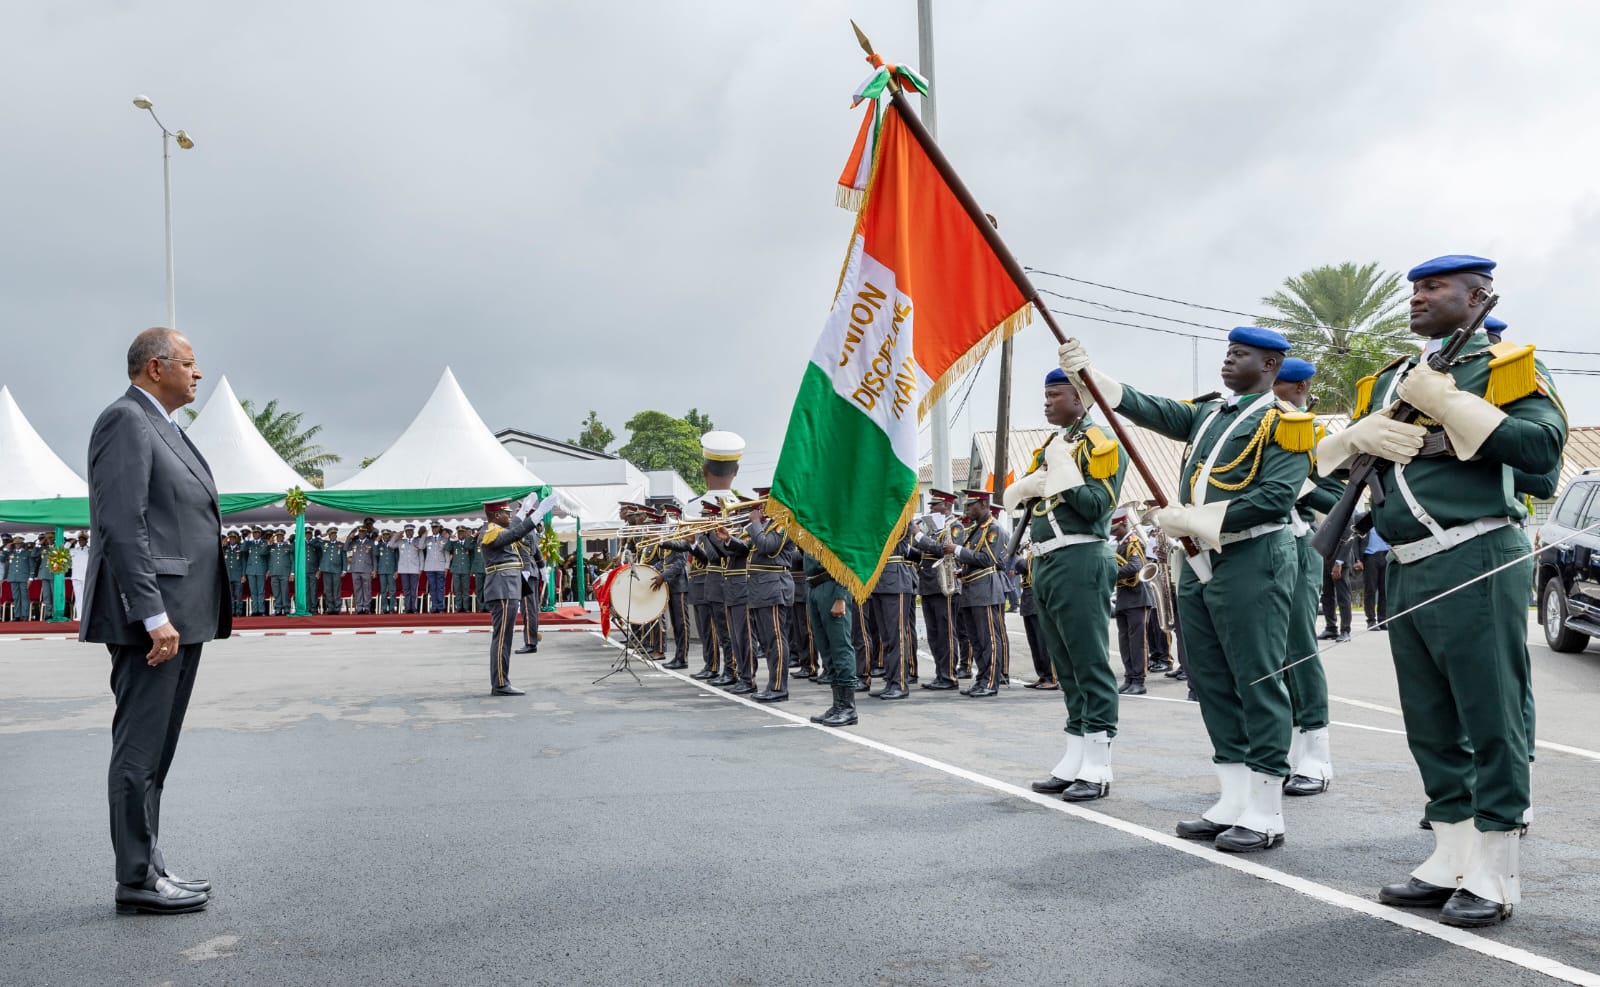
(1568, 575)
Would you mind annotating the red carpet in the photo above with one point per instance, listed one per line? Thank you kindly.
(563, 616)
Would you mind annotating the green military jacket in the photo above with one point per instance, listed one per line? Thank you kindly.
(256, 551)
(1523, 454)
(460, 556)
(233, 560)
(387, 558)
(1085, 509)
(280, 559)
(1261, 468)
(332, 556)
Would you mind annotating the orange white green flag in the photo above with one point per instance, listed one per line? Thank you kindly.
(922, 297)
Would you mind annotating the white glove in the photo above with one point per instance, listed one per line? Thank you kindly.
(1378, 434)
(1075, 358)
(1061, 470)
(1467, 419)
(526, 507)
(1203, 522)
(1027, 488)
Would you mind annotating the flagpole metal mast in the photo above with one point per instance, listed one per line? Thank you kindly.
(1019, 277)
(940, 431)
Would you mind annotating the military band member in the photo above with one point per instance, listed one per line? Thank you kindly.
(233, 555)
(1044, 673)
(770, 593)
(1134, 605)
(830, 623)
(1310, 757)
(1070, 490)
(360, 562)
(735, 549)
(533, 569)
(716, 590)
(802, 654)
(332, 567)
(979, 551)
(503, 585)
(1450, 514)
(1248, 458)
(697, 558)
(891, 641)
(939, 610)
(675, 577)
(256, 551)
(280, 566)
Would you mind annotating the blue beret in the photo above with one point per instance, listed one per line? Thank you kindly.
(1493, 324)
(1056, 376)
(1294, 370)
(1264, 339)
(1451, 264)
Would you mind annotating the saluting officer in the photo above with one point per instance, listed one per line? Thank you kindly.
(314, 571)
(256, 551)
(233, 555)
(1449, 515)
(978, 551)
(1248, 458)
(460, 548)
(360, 562)
(280, 565)
(332, 568)
(386, 563)
(502, 589)
(1073, 485)
(770, 591)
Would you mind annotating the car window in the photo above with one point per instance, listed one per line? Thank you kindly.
(1591, 513)
(1568, 511)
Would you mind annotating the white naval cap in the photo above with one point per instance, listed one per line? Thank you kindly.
(722, 447)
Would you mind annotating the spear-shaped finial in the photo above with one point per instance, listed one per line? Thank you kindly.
(866, 45)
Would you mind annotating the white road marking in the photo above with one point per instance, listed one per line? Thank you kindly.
(1320, 892)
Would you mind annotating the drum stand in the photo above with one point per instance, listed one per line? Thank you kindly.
(631, 643)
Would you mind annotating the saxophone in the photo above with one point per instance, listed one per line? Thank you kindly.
(945, 570)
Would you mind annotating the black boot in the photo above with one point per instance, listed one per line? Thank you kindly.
(1468, 911)
(845, 715)
(833, 710)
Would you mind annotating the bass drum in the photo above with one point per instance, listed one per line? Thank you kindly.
(632, 599)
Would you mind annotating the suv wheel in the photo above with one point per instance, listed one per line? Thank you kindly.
(1553, 615)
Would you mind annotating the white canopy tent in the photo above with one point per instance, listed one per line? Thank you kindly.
(241, 460)
(36, 487)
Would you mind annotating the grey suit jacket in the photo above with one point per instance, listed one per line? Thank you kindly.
(156, 542)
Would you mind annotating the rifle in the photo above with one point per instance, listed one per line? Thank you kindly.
(1366, 470)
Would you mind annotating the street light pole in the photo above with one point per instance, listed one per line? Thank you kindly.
(184, 141)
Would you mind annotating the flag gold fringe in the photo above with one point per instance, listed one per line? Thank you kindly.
(814, 546)
(1008, 327)
(849, 198)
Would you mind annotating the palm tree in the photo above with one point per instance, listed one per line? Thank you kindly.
(283, 433)
(1347, 320)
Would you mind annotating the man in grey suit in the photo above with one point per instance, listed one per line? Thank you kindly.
(155, 592)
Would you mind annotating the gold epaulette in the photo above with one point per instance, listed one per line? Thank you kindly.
(1038, 458)
(1296, 430)
(489, 531)
(1365, 385)
(1104, 455)
(1512, 373)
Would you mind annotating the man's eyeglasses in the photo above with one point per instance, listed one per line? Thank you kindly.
(185, 364)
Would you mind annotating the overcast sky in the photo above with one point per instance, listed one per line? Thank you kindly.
(623, 206)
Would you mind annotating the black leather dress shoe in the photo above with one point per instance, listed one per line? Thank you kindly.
(893, 692)
(1051, 786)
(1201, 829)
(963, 673)
(940, 685)
(676, 663)
(1344, 637)
(703, 674)
(1237, 839)
(162, 898)
(507, 690)
(1086, 791)
(199, 884)
(526, 649)
(1468, 911)
(741, 688)
(1327, 635)
(1159, 666)
(863, 685)
(725, 679)
(1304, 785)
(767, 696)
(1424, 823)
(1414, 894)
(1132, 689)
(877, 673)
(980, 692)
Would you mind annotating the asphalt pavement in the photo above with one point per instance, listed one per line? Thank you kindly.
(371, 816)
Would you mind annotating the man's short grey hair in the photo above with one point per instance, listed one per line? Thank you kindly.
(149, 345)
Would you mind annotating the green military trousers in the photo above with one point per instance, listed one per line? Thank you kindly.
(1307, 682)
(1462, 667)
(1072, 589)
(1235, 629)
(832, 635)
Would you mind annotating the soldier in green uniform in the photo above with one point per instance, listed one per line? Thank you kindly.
(233, 555)
(313, 571)
(280, 566)
(830, 625)
(480, 573)
(1073, 486)
(331, 566)
(1310, 759)
(460, 549)
(386, 555)
(255, 570)
(1449, 513)
(1247, 459)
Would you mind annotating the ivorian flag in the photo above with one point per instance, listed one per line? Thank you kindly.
(923, 296)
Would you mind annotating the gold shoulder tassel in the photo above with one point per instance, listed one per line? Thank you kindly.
(1512, 374)
(1104, 457)
(1296, 431)
(1363, 396)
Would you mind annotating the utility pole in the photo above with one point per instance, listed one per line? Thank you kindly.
(1002, 417)
(1194, 365)
(940, 432)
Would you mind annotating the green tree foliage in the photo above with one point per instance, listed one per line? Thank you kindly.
(701, 422)
(1348, 320)
(594, 435)
(662, 442)
(283, 432)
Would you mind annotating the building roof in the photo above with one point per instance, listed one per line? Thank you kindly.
(1164, 456)
(958, 472)
(543, 447)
